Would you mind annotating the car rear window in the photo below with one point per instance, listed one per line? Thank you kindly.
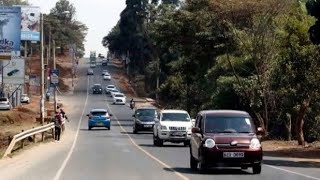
(99, 113)
(175, 117)
(3, 99)
(110, 86)
(214, 124)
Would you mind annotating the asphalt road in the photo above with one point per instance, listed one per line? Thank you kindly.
(119, 154)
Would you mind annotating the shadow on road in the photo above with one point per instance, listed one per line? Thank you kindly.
(164, 146)
(139, 133)
(215, 171)
(288, 163)
(123, 125)
(94, 129)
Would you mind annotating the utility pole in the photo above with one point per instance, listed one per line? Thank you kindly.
(54, 67)
(42, 73)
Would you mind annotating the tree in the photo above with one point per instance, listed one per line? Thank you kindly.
(64, 28)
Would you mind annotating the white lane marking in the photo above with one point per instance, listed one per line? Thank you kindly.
(292, 172)
(59, 172)
(146, 152)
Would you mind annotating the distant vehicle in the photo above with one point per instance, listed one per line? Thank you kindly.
(97, 89)
(173, 126)
(25, 99)
(144, 119)
(113, 92)
(99, 118)
(90, 71)
(107, 77)
(93, 64)
(104, 62)
(119, 98)
(104, 72)
(110, 88)
(5, 104)
(225, 137)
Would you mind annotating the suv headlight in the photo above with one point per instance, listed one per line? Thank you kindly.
(163, 127)
(255, 144)
(209, 143)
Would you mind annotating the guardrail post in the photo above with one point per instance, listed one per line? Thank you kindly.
(9, 140)
(22, 142)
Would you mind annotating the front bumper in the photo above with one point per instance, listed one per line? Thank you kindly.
(174, 136)
(5, 107)
(119, 101)
(214, 157)
(144, 126)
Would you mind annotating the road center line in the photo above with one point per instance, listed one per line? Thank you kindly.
(146, 152)
(59, 172)
(292, 172)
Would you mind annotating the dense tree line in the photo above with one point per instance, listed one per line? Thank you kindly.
(258, 56)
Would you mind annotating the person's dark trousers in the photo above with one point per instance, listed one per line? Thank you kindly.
(57, 133)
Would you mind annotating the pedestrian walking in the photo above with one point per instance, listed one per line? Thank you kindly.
(57, 126)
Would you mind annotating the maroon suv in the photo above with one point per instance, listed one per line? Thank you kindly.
(225, 138)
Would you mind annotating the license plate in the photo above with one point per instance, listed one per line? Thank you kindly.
(147, 126)
(177, 133)
(100, 124)
(233, 154)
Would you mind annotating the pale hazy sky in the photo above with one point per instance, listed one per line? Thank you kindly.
(99, 16)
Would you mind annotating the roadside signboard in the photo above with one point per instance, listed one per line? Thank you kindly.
(30, 23)
(54, 77)
(34, 80)
(10, 31)
(14, 72)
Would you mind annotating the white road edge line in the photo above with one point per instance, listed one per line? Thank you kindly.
(146, 152)
(292, 172)
(59, 172)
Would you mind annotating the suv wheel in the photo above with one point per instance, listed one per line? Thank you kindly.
(135, 131)
(89, 127)
(256, 169)
(186, 143)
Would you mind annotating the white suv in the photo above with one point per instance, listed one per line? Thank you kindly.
(172, 126)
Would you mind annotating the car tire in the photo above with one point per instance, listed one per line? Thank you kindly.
(109, 128)
(256, 169)
(186, 143)
(193, 163)
(89, 128)
(135, 131)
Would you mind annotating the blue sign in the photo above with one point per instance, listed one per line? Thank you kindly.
(54, 77)
(10, 29)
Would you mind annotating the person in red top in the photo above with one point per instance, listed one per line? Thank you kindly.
(58, 126)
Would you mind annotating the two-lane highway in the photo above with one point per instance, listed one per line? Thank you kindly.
(119, 154)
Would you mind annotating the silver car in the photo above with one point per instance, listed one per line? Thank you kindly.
(5, 104)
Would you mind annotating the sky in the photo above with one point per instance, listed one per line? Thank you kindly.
(100, 16)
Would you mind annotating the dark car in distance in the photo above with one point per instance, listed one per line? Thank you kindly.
(97, 89)
(144, 119)
(225, 138)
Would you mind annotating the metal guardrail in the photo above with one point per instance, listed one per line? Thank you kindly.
(31, 132)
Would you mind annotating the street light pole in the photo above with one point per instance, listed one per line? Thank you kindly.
(54, 67)
(42, 74)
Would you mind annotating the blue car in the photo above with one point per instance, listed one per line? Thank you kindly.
(99, 118)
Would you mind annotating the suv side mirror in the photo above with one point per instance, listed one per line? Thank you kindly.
(196, 130)
(110, 114)
(193, 122)
(88, 115)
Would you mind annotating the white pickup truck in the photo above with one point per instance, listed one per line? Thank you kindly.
(172, 126)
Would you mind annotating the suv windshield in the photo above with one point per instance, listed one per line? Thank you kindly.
(119, 95)
(97, 86)
(175, 117)
(98, 113)
(146, 113)
(215, 124)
